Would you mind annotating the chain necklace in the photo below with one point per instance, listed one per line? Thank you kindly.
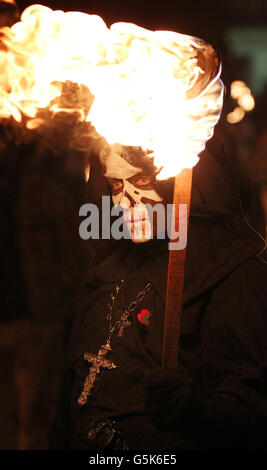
(100, 361)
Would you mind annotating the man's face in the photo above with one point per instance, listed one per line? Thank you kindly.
(132, 188)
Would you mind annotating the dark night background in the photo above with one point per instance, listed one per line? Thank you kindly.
(43, 260)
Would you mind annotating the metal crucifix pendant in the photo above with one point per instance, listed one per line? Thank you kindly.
(97, 362)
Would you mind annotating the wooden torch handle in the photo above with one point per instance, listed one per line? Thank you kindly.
(175, 282)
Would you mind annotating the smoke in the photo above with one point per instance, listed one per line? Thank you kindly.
(56, 132)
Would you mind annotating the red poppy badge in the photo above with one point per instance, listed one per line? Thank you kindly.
(144, 316)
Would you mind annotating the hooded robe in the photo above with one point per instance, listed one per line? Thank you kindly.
(223, 342)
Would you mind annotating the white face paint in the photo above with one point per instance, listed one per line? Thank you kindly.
(132, 189)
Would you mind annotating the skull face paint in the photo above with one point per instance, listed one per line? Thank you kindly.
(132, 189)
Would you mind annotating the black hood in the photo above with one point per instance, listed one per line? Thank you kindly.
(219, 236)
(215, 188)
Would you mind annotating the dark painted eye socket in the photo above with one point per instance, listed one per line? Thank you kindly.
(115, 184)
(142, 180)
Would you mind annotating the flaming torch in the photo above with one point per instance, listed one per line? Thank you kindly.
(158, 90)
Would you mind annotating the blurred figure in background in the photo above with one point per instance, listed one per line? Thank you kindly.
(42, 263)
(42, 259)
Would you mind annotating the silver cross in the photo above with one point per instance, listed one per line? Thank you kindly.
(97, 362)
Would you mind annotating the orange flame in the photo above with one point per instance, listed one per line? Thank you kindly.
(156, 89)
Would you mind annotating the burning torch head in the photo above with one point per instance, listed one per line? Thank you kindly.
(158, 91)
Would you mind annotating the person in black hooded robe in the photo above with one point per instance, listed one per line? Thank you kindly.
(217, 398)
